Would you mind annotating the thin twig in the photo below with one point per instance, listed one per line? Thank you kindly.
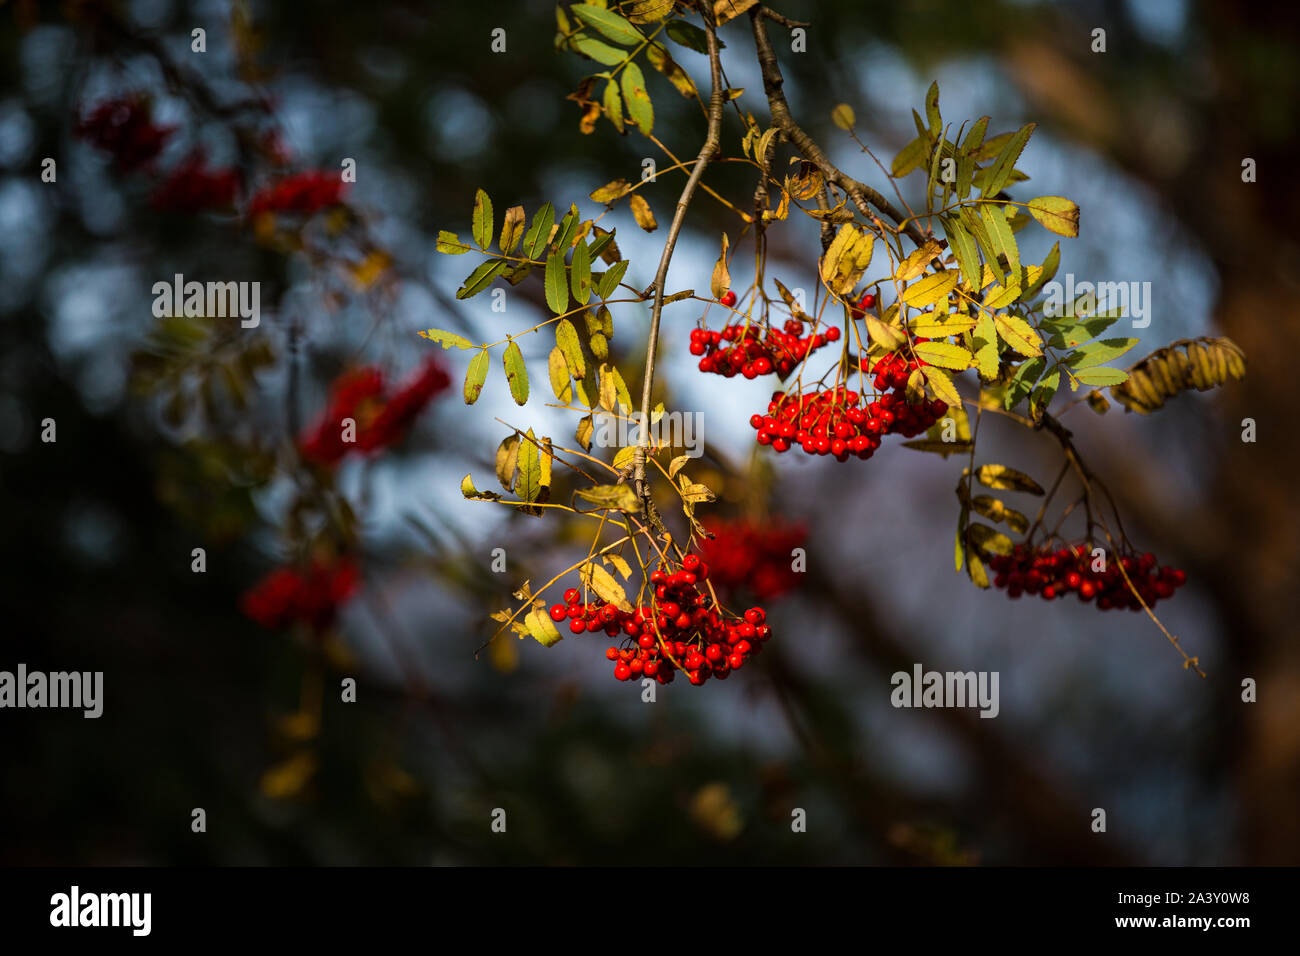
(712, 143)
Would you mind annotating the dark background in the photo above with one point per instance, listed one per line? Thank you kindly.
(97, 529)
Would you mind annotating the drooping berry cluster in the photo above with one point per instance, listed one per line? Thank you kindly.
(312, 596)
(678, 630)
(752, 351)
(193, 187)
(125, 128)
(379, 419)
(304, 193)
(745, 555)
(833, 421)
(1052, 573)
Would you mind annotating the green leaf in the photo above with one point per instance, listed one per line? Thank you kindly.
(690, 36)
(1044, 393)
(1099, 352)
(568, 228)
(910, 157)
(637, 98)
(1000, 235)
(601, 242)
(600, 52)
(448, 340)
(476, 376)
(609, 281)
(1073, 335)
(580, 273)
(1002, 478)
(1057, 214)
(944, 354)
(528, 484)
(842, 116)
(597, 579)
(932, 109)
(974, 223)
(482, 277)
(483, 222)
(516, 373)
(566, 337)
(539, 231)
(620, 497)
(557, 285)
(929, 290)
(608, 23)
(999, 174)
(1102, 376)
(1021, 383)
(963, 248)
(975, 138)
(450, 244)
(613, 104)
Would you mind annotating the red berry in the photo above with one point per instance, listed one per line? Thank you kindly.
(728, 298)
(571, 596)
(559, 612)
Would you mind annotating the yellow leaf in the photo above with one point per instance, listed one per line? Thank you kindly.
(642, 214)
(721, 280)
(512, 229)
(611, 191)
(603, 584)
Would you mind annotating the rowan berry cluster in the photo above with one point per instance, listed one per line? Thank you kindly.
(751, 351)
(679, 630)
(192, 187)
(303, 193)
(379, 419)
(125, 128)
(834, 421)
(1055, 572)
(746, 555)
(312, 596)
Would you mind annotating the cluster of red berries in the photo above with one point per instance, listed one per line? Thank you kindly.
(679, 630)
(125, 128)
(380, 419)
(303, 193)
(312, 596)
(834, 422)
(191, 187)
(1052, 573)
(744, 554)
(747, 351)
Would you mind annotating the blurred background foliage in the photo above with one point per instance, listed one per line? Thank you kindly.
(205, 710)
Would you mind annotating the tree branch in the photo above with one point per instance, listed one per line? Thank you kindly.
(712, 144)
(863, 196)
